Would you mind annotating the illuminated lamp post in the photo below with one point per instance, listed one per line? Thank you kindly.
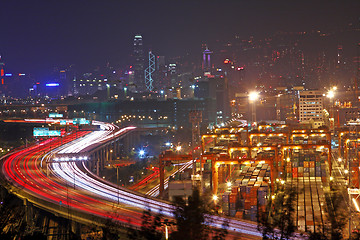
(253, 97)
(215, 199)
(331, 95)
(141, 154)
(178, 148)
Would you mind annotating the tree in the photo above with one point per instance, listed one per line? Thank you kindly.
(317, 236)
(35, 236)
(189, 218)
(277, 222)
(221, 233)
(335, 215)
(335, 206)
(191, 221)
(150, 227)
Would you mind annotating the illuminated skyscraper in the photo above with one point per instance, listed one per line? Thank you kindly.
(138, 66)
(206, 63)
(2, 72)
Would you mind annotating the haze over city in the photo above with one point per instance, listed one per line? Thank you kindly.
(39, 35)
(179, 119)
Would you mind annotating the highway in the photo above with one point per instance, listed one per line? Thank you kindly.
(71, 190)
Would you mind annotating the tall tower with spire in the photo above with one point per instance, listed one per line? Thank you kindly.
(139, 62)
(206, 61)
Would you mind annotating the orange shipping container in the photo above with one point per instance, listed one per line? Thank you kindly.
(247, 204)
(312, 164)
(235, 190)
(261, 208)
(232, 197)
(239, 214)
(310, 223)
(242, 195)
(306, 164)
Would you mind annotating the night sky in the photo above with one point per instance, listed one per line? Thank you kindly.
(38, 35)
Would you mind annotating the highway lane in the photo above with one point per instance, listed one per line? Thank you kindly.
(155, 191)
(89, 182)
(23, 170)
(92, 194)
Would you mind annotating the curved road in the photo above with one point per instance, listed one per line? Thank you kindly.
(71, 190)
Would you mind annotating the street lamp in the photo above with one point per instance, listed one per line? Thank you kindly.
(331, 95)
(253, 97)
(141, 153)
(215, 198)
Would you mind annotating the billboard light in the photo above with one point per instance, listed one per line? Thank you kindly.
(52, 84)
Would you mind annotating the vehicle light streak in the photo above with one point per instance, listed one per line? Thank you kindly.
(92, 194)
(154, 192)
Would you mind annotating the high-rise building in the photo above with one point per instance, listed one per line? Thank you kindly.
(311, 106)
(2, 72)
(172, 71)
(206, 62)
(139, 62)
(161, 74)
(217, 89)
(149, 72)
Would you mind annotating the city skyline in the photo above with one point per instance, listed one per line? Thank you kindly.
(179, 119)
(42, 35)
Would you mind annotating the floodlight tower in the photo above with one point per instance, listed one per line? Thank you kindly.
(149, 71)
(195, 119)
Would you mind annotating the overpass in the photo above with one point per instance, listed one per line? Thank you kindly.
(73, 190)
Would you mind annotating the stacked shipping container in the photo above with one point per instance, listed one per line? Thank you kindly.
(249, 192)
(306, 163)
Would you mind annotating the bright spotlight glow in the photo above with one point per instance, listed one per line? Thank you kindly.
(141, 152)
(253, 96)
(339, 159)
(228, 184)
(178, 148)
(215, 197)
(331, 94)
